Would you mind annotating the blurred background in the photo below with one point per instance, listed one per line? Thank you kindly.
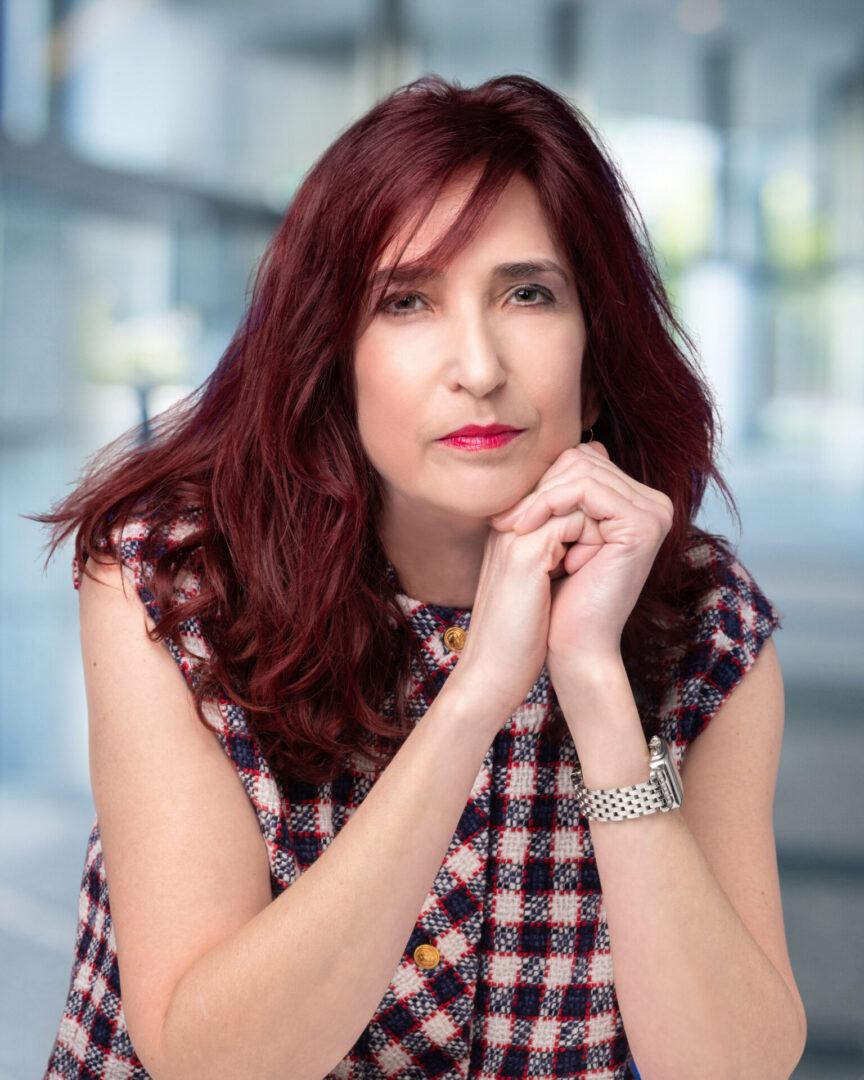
(147, 151)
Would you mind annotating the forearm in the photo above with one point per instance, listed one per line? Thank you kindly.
(698, 996)
(290, 993)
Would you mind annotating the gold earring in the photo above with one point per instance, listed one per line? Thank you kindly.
(590, 435)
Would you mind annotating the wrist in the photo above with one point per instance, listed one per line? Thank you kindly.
(585, 667)
(662, 791)
(595, 692)
(613, 757)
(598, 705)
(473, 700)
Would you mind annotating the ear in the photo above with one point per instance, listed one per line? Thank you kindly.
(590, 408)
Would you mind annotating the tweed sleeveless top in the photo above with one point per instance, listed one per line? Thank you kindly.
(524, 985)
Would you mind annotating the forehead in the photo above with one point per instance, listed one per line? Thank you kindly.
(515, 220)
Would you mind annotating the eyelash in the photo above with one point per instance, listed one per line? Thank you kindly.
(550, 299)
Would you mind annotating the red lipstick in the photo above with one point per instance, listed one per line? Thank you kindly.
(474, 437)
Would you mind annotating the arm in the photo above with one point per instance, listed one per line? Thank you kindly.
(218, 979)
(692, 897)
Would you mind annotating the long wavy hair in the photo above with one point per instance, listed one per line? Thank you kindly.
(265, 460)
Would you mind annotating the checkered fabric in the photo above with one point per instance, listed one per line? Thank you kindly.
(524, 986)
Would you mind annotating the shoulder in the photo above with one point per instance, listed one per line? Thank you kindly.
(150, 560)
(728, 622)
(138, 540)
(141, 543)
(734, 610)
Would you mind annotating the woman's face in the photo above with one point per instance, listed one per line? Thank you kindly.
(497, 339)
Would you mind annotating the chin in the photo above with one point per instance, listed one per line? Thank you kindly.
(480, 507)
(476, 498)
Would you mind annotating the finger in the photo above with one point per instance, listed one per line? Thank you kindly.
(595, 456)
(640, 495)
(575, 541)
(579, 459)
(610, 518)
(503, 519)
(643, 490)
(583, 460)
(579, 555)
(598, 455)
(593, 451)
(590, 493)
(597, 448)
(554, 540)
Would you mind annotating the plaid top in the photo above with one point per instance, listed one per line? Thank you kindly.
(524, 986)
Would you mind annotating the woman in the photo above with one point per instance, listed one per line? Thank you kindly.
(422, 544)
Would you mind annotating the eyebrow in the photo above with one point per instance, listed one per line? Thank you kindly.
(507, 271)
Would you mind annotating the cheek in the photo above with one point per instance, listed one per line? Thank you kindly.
(391, 376)
(384, 402)
(554, 376)
(384, 395)
(372, 378)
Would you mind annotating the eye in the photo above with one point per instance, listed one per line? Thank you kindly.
(409, 303)
(537, 290)
(396, 305)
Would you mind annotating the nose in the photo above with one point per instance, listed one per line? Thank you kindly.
(477, 366)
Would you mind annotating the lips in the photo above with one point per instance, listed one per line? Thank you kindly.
(474, 429)
(473, 437)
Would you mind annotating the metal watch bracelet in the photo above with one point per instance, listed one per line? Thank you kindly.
(662, 791)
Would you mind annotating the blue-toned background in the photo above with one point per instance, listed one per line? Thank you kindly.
(147, 150)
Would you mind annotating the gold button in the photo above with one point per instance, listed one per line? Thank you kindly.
(426, 956)
(454, 638)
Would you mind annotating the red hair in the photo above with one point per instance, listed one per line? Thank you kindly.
(295, 599)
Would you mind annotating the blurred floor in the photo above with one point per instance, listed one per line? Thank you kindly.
(804, 543)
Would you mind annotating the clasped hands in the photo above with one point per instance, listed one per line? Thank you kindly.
(609, 529)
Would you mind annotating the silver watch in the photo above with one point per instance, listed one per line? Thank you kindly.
(661, 791)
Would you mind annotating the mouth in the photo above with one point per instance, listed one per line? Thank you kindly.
(475, 429)
(472, 437)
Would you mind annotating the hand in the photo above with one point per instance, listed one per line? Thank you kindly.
(616, 526)
(508, 641)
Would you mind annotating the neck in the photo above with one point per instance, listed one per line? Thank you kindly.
(437, 556)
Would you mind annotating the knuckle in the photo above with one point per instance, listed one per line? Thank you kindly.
(661, 525)
(571, 455)
(515, 548)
